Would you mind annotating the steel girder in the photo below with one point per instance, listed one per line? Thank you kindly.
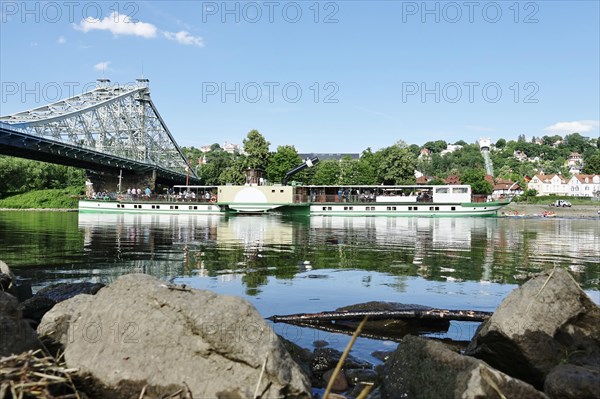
(112, 120)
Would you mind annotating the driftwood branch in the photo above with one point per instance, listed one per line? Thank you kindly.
(404, 314)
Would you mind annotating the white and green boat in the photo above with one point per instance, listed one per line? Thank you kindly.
(355, 200)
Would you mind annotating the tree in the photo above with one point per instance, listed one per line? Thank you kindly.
(327, 173)
(280, 162)
(476, 179)
(257, 149)
(592, 164)
(396, 166)
(501, 143)
(217, 161)
(234, 174)
(436, 146)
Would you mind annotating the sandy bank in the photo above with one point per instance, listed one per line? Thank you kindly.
(576, 211)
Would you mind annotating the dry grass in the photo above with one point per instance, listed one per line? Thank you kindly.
(35, 375)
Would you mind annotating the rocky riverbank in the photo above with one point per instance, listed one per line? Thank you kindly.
(141, 337)
(516, 209)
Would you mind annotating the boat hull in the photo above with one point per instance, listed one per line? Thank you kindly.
(143, 207)
(407, 209)
(317, 209)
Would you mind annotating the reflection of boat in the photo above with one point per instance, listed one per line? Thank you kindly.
(443, 200)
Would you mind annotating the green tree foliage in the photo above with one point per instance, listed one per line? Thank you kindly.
(282, 161)
(476, 179)
(395, 166)
(501, 143)
(22, 175)
(356, 171)
(257, 149)
(592, 164)
(436, 146)
(234, 174)
(327, 173)
(217, 161)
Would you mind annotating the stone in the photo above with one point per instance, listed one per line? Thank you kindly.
(324, 359)
(422, 368)
(36, 307)
(16, 336)
(8, 280)
(62, 292)
(340, 384)
(141, 331)
(546, 322)
(569, 381)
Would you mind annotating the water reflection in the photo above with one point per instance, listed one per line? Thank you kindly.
(290, 265)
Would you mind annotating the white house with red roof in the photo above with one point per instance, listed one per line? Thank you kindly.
(584, 185)
(549, 184)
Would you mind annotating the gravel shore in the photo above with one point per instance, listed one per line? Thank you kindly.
(576, 211)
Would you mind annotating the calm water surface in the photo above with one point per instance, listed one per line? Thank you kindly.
(292, 265)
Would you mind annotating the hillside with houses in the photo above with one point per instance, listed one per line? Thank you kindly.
(540, 166)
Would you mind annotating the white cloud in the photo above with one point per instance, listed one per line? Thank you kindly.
(118, 24)
(102, 66)
(184, 37)
(61, 40)
(573, 127)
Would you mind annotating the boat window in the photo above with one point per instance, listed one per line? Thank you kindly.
(442, 190)
(453, 208)
(437, 208)
(328, 208)
(459, 190)
(416, 208)
(324, 208)
(431, 208)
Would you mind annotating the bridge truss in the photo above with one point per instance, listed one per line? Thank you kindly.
(115, 125)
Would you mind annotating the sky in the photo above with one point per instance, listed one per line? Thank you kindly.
(324, 76)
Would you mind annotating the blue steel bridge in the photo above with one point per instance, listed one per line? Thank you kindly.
(109, 131)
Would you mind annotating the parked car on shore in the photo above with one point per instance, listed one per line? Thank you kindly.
(561, 203)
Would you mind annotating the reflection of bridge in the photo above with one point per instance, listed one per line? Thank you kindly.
(109, 130)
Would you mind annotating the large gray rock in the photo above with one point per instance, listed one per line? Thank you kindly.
(140, 331)
(546, 322)
(16, 336)
(7, 279)
(570, 381)
(36, 307)
(422, 368)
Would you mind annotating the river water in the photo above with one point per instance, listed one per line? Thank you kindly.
(309, 264)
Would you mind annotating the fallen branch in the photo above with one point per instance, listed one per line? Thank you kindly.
(398, 314)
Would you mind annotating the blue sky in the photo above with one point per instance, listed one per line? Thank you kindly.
(335, 76)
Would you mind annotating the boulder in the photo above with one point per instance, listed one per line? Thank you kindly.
(16, 336)
(63, 291)
(7, 279)
(141, 332)
(546, 322)
(36, 307)
(570, 381)
(324, 359)
(422, 368)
